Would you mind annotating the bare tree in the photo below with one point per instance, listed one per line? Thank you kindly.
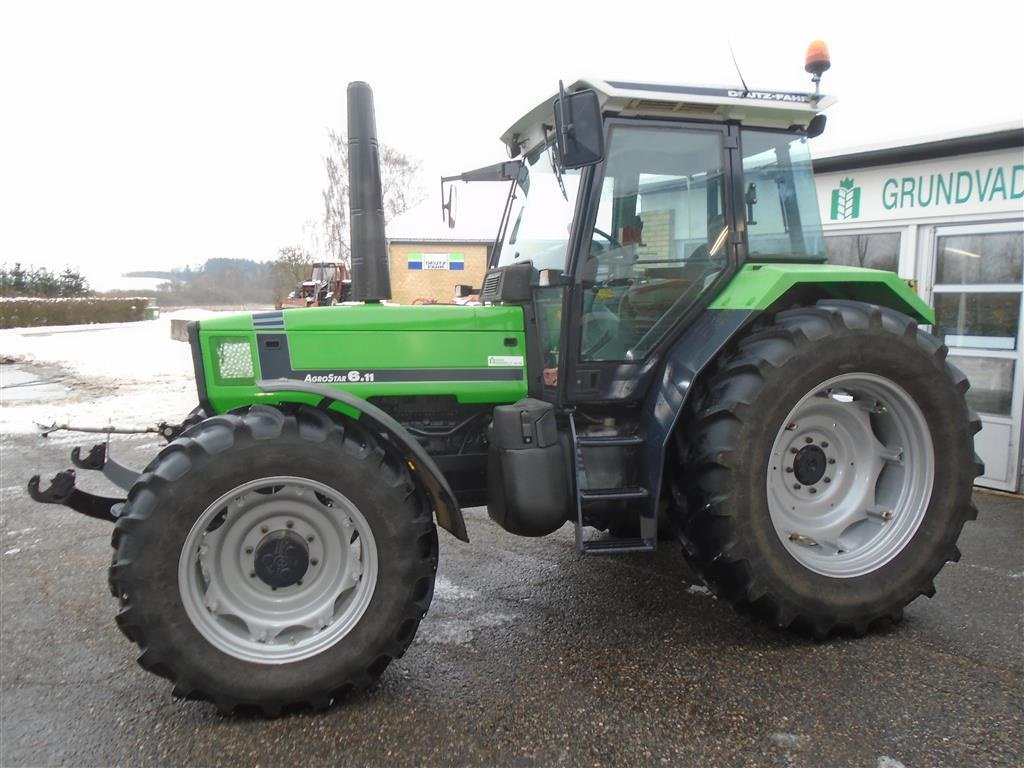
(289, 269)
(399, 187)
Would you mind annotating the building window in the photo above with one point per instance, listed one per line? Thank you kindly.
(875, 251)
(979, 279)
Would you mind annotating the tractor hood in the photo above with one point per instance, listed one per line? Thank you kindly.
(372, 317)
(476, 354)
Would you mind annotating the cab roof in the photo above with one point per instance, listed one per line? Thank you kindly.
(766, 109)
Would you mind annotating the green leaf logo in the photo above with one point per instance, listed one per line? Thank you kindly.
(845, 201)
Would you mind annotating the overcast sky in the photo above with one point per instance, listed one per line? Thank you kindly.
(146, 135)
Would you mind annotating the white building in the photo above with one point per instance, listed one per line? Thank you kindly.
(948, 213)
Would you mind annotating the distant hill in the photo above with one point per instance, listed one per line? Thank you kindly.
(218, 281)
(212, 266)
(150, 273)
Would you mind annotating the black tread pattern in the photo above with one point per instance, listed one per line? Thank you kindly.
(710, 442)
(190, 453)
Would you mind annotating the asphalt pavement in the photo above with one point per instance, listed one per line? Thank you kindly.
(530, 655)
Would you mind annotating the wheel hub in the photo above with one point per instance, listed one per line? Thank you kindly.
(282, 559)
(809, 465)
(278, 569)
(851, 475)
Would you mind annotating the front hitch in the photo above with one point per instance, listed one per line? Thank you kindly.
(62, 488)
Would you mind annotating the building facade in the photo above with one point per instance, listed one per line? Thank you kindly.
(426, 271)
(948, 213)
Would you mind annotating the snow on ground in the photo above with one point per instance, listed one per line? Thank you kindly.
(124, 374)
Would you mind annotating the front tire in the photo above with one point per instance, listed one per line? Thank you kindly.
(272, 559)
(831, 469)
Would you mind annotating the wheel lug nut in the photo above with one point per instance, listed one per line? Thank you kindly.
(828, 479)
(289, 524)
(314, 561)
(808, 439)
(299, 582)
(796, 486)
(793, 450)
(824, 444)
(264, 529)
(831, 461)
(789, 469)
(248, 550)
(309, 538)
(813, 490)
(252, 574)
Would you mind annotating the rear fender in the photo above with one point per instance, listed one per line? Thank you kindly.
(756, 288)
(762, 286)
(424, 470)
(689, 355)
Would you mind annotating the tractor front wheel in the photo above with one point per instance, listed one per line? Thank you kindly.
(273, 558)
(831, 467)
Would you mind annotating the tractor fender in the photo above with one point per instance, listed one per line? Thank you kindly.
(688, 356)
(424, 470)
(762, 286)
(756, 288)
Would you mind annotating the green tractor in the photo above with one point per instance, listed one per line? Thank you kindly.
(661, 352)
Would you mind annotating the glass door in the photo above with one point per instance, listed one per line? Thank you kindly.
(977, 294)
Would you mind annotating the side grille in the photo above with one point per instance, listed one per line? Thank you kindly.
(490, 289)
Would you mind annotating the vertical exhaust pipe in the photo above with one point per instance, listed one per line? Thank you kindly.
(371, 281)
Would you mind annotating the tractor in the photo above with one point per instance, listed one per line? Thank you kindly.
(660, 353)
(328, 284)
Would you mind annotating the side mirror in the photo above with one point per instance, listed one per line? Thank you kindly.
(462, 290)
(816, 127)
(578, 128)
(448, 208)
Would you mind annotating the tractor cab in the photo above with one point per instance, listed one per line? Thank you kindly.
(632, 205)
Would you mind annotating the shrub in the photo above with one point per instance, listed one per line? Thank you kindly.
(27, 312)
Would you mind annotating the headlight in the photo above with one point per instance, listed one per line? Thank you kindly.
(233, 360)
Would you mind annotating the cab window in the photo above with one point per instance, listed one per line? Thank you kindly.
(659, 239)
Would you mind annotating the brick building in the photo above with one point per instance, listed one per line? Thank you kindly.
(424, 270)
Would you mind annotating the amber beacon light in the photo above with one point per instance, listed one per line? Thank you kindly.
(817, 62)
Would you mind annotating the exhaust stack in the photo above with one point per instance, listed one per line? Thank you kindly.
(371, 281)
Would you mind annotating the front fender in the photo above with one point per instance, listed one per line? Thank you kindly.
(423, 467)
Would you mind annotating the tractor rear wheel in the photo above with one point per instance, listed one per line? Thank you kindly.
(271, 559)
(831, 468)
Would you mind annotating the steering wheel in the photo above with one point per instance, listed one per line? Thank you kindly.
(612, 242)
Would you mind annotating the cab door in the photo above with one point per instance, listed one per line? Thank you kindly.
(658, 239)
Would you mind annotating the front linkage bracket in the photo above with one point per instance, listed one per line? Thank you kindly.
(62, 488)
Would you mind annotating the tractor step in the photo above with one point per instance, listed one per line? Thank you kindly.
(617, 546)
(648, 539)
(609, 441)
(613, 494)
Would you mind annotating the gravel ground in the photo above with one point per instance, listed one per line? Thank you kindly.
(530, 655)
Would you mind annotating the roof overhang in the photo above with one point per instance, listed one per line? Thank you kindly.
(960, 142)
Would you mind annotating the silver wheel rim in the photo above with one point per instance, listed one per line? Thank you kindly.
(873, 493)
(244, 616)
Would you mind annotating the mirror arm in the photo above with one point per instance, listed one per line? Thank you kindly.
(508, 170)
(565, 121)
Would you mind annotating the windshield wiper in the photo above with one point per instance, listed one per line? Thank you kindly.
(556, 166)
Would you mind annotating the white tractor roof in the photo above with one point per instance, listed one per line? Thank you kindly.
(767, 109)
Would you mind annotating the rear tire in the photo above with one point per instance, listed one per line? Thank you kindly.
(830, 469)
(273, 559)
